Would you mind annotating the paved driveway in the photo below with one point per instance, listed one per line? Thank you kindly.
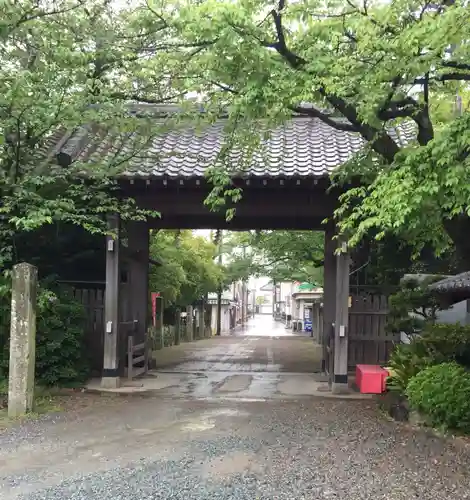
(175, 444)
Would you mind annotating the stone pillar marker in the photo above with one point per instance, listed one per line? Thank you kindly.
(22, 339)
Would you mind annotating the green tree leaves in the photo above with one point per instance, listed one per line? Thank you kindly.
(364, 67)
(188, 271)
(64, 66)
(281, 255)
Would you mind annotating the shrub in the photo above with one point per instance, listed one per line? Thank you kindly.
(442, 394)
(60, 354)
(412, 306)
(438, 343)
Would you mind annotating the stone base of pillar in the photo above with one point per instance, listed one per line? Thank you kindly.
(340, 385)
(338, 388)
(110, 382)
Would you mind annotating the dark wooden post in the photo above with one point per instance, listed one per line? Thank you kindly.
(340, 381)
(177, 326)
(203, 317)
(138, 249)
(189, 324)
(111, 375)
(329, 292)
(218, 325)
(319, 322)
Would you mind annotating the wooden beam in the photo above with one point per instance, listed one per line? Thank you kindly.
(259, 202)
(303, 221)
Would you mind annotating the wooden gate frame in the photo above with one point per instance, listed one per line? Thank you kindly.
(369, 340)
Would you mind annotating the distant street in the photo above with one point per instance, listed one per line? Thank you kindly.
(263, 325)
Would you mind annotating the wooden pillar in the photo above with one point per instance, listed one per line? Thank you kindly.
(329, 292)
(138, 253)
(111, 373)
(218, 324)
(189, 324)
(316, 321)
(340, 380)
(320, 322)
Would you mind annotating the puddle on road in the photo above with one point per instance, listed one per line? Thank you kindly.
(206, 421)
(199, 426)
(224, 412)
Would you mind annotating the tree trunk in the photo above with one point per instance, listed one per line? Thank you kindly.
(458, 230)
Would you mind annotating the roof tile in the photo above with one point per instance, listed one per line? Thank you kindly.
(304, 147)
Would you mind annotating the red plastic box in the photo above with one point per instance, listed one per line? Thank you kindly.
(371, 379)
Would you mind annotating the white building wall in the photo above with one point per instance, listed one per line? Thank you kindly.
(256, 284)
(456, 314)
(225, 319)
(286, 290)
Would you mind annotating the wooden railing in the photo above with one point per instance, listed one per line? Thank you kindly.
(137, 354)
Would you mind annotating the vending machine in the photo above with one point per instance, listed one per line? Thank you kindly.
(308, 319)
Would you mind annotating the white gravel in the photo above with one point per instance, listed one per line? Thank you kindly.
(316, 449)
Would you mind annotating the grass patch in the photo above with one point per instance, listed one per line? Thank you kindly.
(45, 401)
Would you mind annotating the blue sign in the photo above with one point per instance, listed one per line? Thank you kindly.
(307, 325)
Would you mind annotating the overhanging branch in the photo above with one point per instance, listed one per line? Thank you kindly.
(329, 120)
(446, 77)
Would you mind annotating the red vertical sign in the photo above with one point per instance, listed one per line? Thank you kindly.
(154, 296)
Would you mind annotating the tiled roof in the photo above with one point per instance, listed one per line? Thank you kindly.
(302, 147)
(451, 284)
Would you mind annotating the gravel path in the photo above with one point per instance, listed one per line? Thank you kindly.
(152, 448)
(177, 443)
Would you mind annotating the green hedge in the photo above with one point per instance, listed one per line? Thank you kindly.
(442, 393)
(438, 343)
(60, 353)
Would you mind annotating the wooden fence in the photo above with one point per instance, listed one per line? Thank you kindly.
(137, 354)
(93, 302)
(369, 341)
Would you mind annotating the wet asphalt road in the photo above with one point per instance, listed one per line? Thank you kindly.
(172, 444)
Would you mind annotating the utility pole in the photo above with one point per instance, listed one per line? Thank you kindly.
(218, 241)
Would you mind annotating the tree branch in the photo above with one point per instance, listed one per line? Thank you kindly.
(281, 46)
(456, 65)
(398, 109)
(31, 15)
(381, 142)
(446, 77)
(316, 113)
(146, 99)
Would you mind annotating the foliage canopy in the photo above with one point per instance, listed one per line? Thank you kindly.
(364, 67)
(281, 255)
(188, 271)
